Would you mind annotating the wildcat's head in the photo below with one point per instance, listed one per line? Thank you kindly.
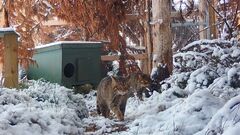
(120, 85)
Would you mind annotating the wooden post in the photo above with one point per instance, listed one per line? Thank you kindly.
(161, 33)
(148, 36)
(212, 20)
(116, 57)
(144, 62)
(10, 58)
(202, 18)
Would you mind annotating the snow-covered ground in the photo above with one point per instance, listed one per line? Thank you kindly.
(202, 97)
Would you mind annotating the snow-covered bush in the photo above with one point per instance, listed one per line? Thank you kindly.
(234, 76)
(226, 121)
(206, 52)
(53, 94)
(197, 65)
(181, 79)
(201, 78)
(41, 109)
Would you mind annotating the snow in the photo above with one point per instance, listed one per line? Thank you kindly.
(115, 65)
(48, 4)
(178, 4)
(158, 21)
(235, 53)
(65, 42)
(1, 79)
(8, 29)
(201, 97)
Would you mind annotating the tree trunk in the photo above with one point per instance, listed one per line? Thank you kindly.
(162, 38)
(148, 37)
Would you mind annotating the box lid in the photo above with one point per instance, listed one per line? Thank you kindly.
(67, 45)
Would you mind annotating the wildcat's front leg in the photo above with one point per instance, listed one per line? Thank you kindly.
(123, 104)
(117, 112)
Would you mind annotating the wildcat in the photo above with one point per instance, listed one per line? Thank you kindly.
(113, 93)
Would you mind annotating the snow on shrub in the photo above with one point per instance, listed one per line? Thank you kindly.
(206, 52)
(42, 108)
(234, 76)
(49, 94)
(201, 78)
(226, 121)
(220, 88)
(181, 79)
(198, 64)
(227, 86)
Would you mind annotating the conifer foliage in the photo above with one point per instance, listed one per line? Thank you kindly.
(100, 19)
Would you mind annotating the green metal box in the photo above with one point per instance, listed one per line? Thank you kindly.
(68, 63)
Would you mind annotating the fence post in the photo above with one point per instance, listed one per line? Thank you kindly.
(212, 19)
(202, 19)
(10, 57)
